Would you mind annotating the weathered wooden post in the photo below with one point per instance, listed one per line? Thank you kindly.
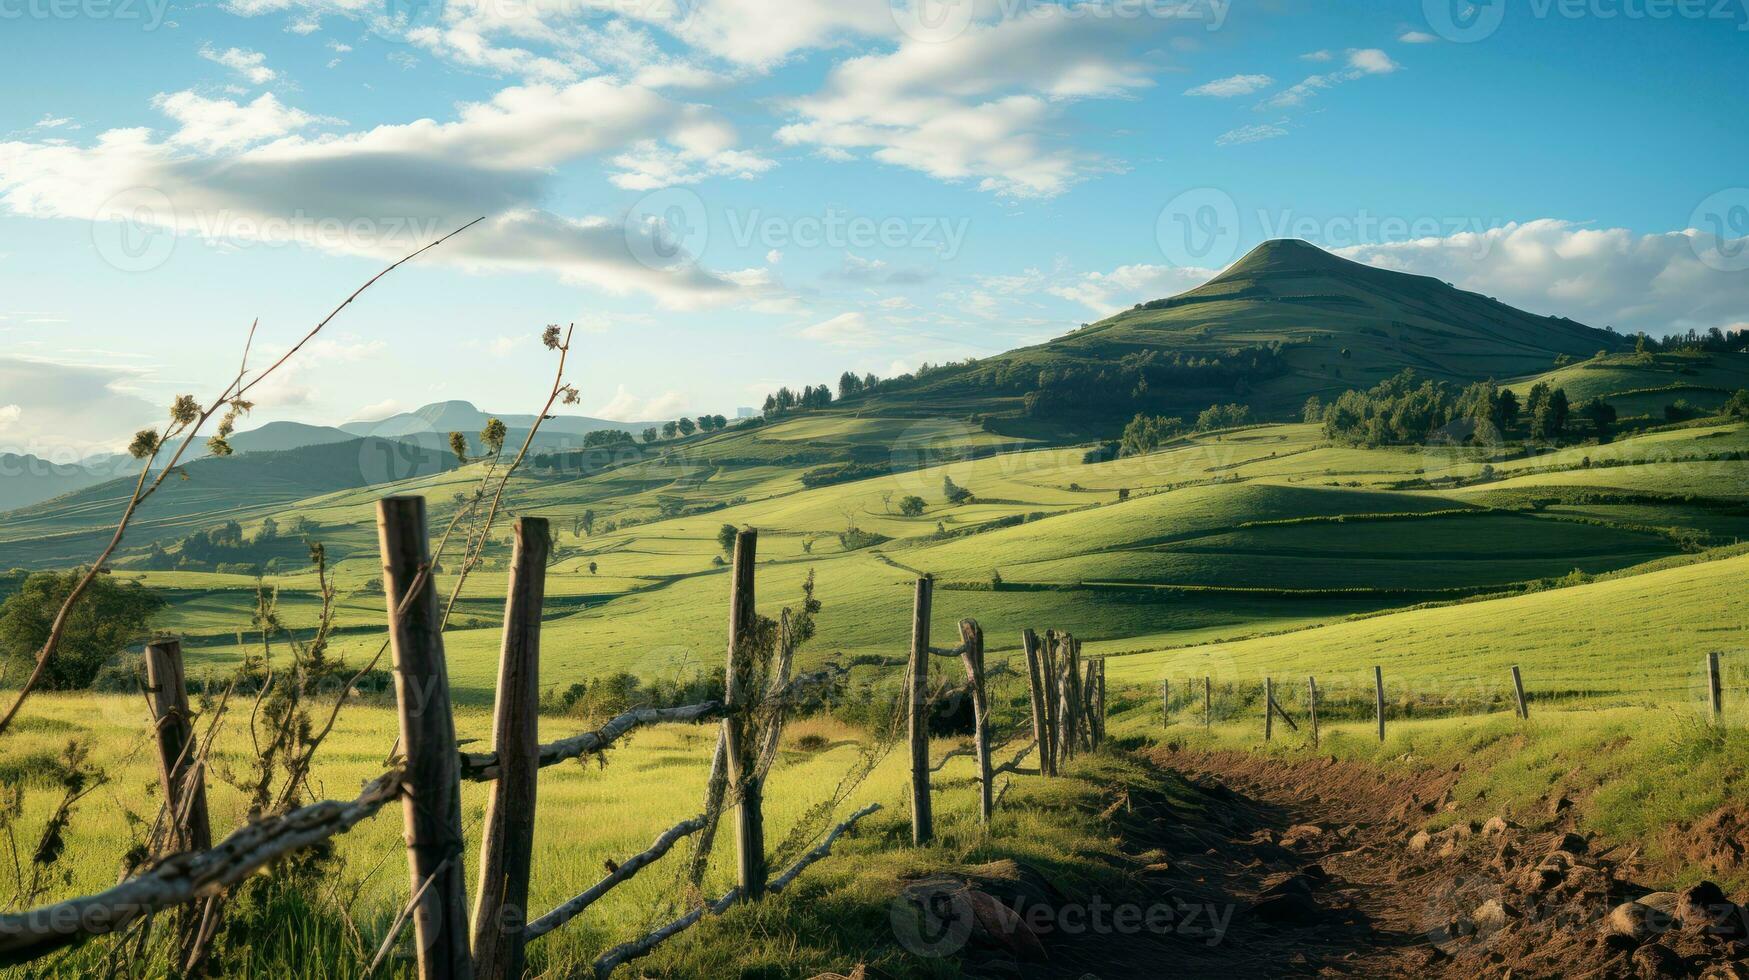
(739, 696)
(1378, 683)
(1090, 702)
(922, 820)
(1518, 692)
(183, 783)
(1102, 718)
(1715, 688)
(1035, 684)
(507, 842)
(431, 797)
(972, 640)
(1066, 736)
(1053, 704)
(1166, 702)
(1208, 702)
(1077, 730)
(1312, 706)
(1268, 709)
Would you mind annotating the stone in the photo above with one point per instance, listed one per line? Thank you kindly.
(1419, 841)
(1654, 961)
(1629, 924)
(1491, 916)
(1495, 827)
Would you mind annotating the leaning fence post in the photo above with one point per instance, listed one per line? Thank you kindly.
(1166, 703)
(1715, 689)
(507, 842)
(1268, 709)
(431, 797)
(922, 821)
(1035, 684)
(1102, 717)
(1518, 691)
(738, 697)
(1312, 706)
(972, 637)
(1378, 684)
(1208, 702)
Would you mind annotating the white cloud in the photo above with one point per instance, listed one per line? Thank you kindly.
(1320, 55)
(252, 65)
(1106, 293)
(1250, 134)
(63, 411)
(9, 415)
(1361, 63)
(1234, 85)
(1599, 276)
(395, 187)
(220, 124)
(773, 257)
(627, 407)
(843, 330)
(980, 106)
(1417, 37)
(52, 121)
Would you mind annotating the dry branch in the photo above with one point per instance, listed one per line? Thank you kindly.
(483, 766)
(570, 910)
(184, 878)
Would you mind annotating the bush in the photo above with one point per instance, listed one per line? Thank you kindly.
(107, 619)
(911, 506)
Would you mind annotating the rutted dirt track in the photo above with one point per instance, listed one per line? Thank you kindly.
(1322, 868)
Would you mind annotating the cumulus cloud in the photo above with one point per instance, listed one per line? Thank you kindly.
(220, 124)
(1600, 276)
(251, 65)
(382, 191)
(72, 410)
(1234, 85)
(977, 106)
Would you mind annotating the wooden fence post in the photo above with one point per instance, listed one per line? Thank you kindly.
(183, 781)
(1090, 702)
(507, 842)
(922, 820)
(1208, 702)
(1047, 653)
(431, 796)
(1077, 730)
(1102, 717)
(189, 827)
(1312, 706)
(1041, 732)
(1518, 691)
(972, 637)
(1066, 734)
(1166, 703)
(1378, 683)
(739, 695)
(1715, 687)
(1268, 709)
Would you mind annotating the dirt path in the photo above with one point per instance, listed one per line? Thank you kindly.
(1257, 867)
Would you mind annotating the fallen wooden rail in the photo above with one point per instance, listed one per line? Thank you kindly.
(184, 878)
(628, 951)
(632, 865)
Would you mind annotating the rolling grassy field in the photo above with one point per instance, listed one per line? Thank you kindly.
(1605, 571)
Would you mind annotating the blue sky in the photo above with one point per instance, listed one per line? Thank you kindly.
(728, 195)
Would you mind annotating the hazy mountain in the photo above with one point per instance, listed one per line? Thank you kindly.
(460, 416)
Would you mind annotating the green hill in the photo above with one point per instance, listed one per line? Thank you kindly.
(1287, 321)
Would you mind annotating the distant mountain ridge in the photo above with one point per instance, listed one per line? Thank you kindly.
(461, 416)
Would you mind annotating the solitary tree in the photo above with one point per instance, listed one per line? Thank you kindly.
(953, 492)
(726, 537)
(911, 506)
(110, 618)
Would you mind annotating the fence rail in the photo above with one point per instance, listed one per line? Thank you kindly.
(1067, 716)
